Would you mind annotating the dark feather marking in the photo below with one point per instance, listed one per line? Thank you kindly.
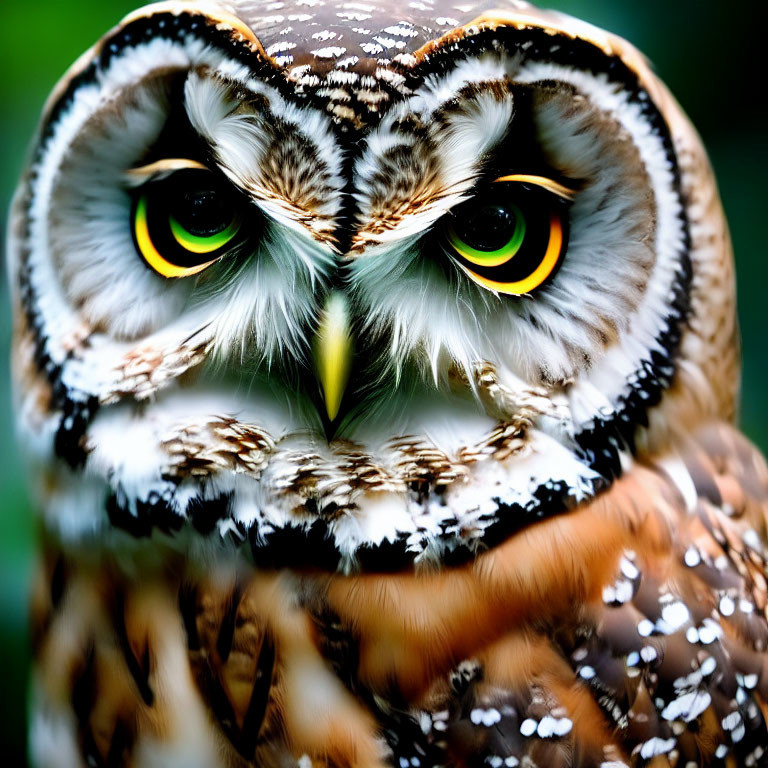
(84, 687)
(136, 522)
(257, 707)
(337, 643)
(205, 513)
(244, 739)
(122, 739)
(220, 704)
(139, 668)
(188, 610)
(84, 692)
(208, 668)
(227, 628)
(398, 727)
(58, 583)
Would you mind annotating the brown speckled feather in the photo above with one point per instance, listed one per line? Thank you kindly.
(632, 631)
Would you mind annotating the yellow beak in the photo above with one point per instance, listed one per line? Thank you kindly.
(333, 352)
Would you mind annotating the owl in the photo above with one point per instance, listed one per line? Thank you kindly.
(376, 370)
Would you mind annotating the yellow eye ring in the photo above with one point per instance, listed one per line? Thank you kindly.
(539, 275)
(511, 237)
(184, 218)
(151, 255)
(566, 193)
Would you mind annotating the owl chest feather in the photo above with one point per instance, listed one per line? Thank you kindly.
(632, 628)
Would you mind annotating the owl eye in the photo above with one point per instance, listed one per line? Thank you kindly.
(184, 220)
(512, 237)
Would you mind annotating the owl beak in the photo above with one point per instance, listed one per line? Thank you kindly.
(333, 352)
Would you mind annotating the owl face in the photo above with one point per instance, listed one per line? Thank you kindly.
(356, 287)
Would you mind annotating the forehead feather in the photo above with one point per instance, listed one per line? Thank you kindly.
(361, 36)
(353, 60)
(323, 34)
(358, 57)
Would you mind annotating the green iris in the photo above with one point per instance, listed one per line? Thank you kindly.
(185, 222)
(511, 237)
(491, 237)
(202, 243)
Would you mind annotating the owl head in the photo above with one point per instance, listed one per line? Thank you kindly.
(355, 286)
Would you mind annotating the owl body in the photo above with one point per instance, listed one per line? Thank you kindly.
(376, 368)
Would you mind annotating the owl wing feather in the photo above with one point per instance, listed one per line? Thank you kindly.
(631, 630)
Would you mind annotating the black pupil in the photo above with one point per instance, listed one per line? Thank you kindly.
(485, 226)
(203, 210)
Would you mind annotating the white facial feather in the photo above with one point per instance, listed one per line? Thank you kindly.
(437, 90)
(134, 453)
(404, 296)
(90, 223)
(462, 141)
(86, 257)
(649, 319)
(242, 139)
(608, 272)
(264, 311)
(56, 314)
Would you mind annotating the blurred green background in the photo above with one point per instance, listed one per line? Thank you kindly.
(709, 52)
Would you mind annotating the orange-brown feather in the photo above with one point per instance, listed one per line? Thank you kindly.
(270, 675)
